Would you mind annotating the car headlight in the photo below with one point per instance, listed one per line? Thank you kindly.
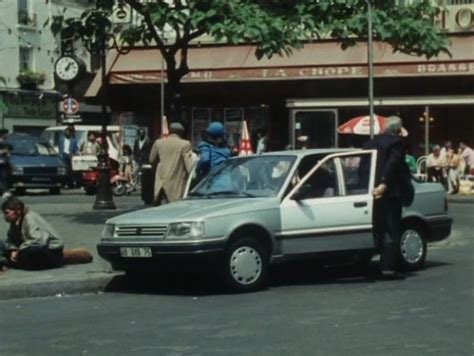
(17, 170)
(62, 171)
(109, 231)
(185, 230)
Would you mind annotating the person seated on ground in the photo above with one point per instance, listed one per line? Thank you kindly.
(32, 243)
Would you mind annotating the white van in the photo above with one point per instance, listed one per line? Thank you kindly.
(51, 135)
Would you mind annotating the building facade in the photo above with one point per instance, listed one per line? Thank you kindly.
(311, 92)
(28, 45)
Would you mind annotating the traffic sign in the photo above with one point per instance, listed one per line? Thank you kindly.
(70, 106)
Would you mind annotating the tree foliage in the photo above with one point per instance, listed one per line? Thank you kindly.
(274, 26)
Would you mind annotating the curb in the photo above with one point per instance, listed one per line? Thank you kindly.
(466, 200)
(60, 288)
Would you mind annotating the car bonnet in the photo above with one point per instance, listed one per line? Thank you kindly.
(195, 209)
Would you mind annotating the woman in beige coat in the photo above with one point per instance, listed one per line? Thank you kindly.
(172, 156)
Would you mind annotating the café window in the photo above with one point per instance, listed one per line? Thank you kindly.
(231, 117)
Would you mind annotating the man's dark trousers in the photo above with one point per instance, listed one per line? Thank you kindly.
(387, 220)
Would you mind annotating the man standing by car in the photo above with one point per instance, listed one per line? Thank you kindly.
(67, 148)
(172, 156)
(392, 191)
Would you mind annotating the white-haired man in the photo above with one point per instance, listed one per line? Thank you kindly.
(392, 190)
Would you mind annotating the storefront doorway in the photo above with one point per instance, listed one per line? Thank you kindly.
(313, 128)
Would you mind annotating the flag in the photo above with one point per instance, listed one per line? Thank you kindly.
(245, 147)
(164, 127)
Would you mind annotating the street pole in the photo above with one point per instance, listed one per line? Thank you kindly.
(162, 89)
(104, 198)
(427, 133)
(370, 61)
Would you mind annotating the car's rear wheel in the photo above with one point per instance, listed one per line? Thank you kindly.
(246, 265)
(413, 247)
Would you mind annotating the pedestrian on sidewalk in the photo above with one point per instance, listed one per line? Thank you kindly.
(172, 156)
(393, 190)
(32, 243)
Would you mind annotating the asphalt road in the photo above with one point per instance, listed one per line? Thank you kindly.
(306, 311)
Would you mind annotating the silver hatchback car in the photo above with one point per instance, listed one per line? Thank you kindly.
(256, 210)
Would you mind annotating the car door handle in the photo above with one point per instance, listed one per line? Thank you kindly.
(360, 204)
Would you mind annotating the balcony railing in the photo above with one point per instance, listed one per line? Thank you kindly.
(459, 2)
(26, 19)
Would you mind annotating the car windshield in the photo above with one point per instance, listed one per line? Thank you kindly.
(30, 147)
(246, 177)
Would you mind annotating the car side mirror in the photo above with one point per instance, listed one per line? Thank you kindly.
(303, 192)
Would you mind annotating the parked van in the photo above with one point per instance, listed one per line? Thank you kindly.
(52, 134)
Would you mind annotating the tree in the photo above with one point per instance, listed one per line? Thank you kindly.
(274, 26)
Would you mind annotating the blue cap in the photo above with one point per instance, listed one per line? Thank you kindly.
(216, 128)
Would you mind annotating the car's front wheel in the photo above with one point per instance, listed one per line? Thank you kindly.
(246, 265)
(413, 247)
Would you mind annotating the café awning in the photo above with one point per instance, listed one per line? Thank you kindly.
(321, 60)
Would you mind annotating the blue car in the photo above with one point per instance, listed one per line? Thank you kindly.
(34, 164)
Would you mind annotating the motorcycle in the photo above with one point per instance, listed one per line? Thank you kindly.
(90, 180)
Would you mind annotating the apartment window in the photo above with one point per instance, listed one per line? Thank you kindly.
(26, 58)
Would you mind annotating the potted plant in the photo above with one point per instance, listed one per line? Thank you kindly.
(30, 80)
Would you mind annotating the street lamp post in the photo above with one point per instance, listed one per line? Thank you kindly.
(100, 44)
(370, 62)
(104, 198)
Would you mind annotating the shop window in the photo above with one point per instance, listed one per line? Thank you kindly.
(233, 125)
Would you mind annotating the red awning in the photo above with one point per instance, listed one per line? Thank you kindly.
(321, 60)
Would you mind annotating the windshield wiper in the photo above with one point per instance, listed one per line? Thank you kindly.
(231, 192)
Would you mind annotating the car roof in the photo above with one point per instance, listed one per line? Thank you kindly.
(310, 151)
(21, 136)
(84, 128)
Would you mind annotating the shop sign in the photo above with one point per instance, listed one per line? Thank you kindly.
(317, 72)
(31, 106)
(457, 18)
(446, 68)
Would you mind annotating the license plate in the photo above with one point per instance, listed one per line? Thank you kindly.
(40, 179)
(135, 252)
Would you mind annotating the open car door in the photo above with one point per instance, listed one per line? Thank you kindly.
(330, 209)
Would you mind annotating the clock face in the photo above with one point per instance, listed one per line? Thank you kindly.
(67, 68)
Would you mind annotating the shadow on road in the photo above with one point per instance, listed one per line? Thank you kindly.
(193, 283)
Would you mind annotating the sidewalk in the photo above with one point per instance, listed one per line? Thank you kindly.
(72, 215)
(461, 199)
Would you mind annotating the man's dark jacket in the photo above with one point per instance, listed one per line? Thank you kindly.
(391, 168)
(141, 155)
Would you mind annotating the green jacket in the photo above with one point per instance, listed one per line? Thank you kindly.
(34, 231)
